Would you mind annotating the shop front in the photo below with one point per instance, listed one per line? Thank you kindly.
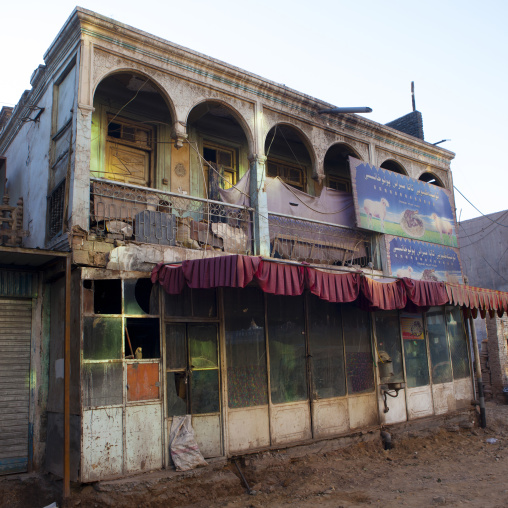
(261, 354)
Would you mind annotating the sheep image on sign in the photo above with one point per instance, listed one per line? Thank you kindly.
(422, 261)
(391, 203)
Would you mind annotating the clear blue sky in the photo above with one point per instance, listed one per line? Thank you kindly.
(349, 53)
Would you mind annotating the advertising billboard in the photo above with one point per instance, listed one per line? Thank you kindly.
(394, 204)
(422, 260)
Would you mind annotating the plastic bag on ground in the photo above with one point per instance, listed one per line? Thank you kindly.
(183, 446)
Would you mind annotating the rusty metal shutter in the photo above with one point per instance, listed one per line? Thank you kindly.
(15, 339)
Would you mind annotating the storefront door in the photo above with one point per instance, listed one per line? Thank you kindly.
(192, 381)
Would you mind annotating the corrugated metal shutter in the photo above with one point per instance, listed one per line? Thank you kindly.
(15, 334)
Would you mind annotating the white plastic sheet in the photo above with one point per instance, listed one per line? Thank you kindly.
(183, 446)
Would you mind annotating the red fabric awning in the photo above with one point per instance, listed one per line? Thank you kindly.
(291, 279)
(333, 287)
(383, 295)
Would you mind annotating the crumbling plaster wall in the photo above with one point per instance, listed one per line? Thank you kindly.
(28, 171)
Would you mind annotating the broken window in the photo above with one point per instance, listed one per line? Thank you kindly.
(458, 343)
(112, 341)
(142, 338)
(438, 346)
(107, 296)
(286, 336)
(141, 297)
(245, 347)
(326, 349)
(359, 365)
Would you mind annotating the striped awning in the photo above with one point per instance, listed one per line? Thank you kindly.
(478, 299)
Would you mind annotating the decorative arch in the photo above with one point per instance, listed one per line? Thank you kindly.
(395, 166)
(430, 177)
(129, 70)
(336, 166)
(247, 131)
(282, 140)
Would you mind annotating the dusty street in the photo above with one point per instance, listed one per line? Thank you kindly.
(448, 467)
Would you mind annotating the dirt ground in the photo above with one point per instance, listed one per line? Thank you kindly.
(450, 466)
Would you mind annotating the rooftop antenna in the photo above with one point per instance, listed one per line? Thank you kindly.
(413, 95)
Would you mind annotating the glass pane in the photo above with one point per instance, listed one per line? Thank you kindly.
(438, 346)
(458, 343)
(388, 341)
(203, 346)
(142, 381)
(415, 350)
(204, 303)
(176, 391)
(102, 338)
(102, 384)
(245, 347)
(359, 365)
(144, 338)
(326, 349)
(286, 332)
(141, 297)
(178, 305)
(204, 391)
(176, 355)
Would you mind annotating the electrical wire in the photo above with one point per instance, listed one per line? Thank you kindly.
(486, 216)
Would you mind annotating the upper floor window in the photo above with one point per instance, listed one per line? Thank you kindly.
(338, 183)
(224, 162)
(128, 152)
(292, 175)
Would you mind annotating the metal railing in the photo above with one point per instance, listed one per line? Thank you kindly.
(131, 212)
(317, 242)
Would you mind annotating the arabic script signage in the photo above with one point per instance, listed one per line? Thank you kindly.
(395, 204)
(422, 261)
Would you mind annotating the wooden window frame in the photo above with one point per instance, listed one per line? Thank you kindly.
(232, 170)
(281, 165)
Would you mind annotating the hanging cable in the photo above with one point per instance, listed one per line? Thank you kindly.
(486, 216)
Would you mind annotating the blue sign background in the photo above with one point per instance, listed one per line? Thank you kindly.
(422, 260)
(395, 204)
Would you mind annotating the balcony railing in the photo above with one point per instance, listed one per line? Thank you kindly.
(147, 215)
(317, 242)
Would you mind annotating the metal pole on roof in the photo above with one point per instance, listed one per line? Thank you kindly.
(67, 383)
(478, 368)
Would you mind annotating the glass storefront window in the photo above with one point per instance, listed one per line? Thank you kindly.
(245, 347)
(359, 364)
(458, 343)
(388, 341)
(102, 338)
(438, 346)
(415, 350)
(326, 349)
(286, 339)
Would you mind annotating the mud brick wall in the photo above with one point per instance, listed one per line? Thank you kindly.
(497, 333)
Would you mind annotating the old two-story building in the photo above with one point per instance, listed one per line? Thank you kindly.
(237, 253)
